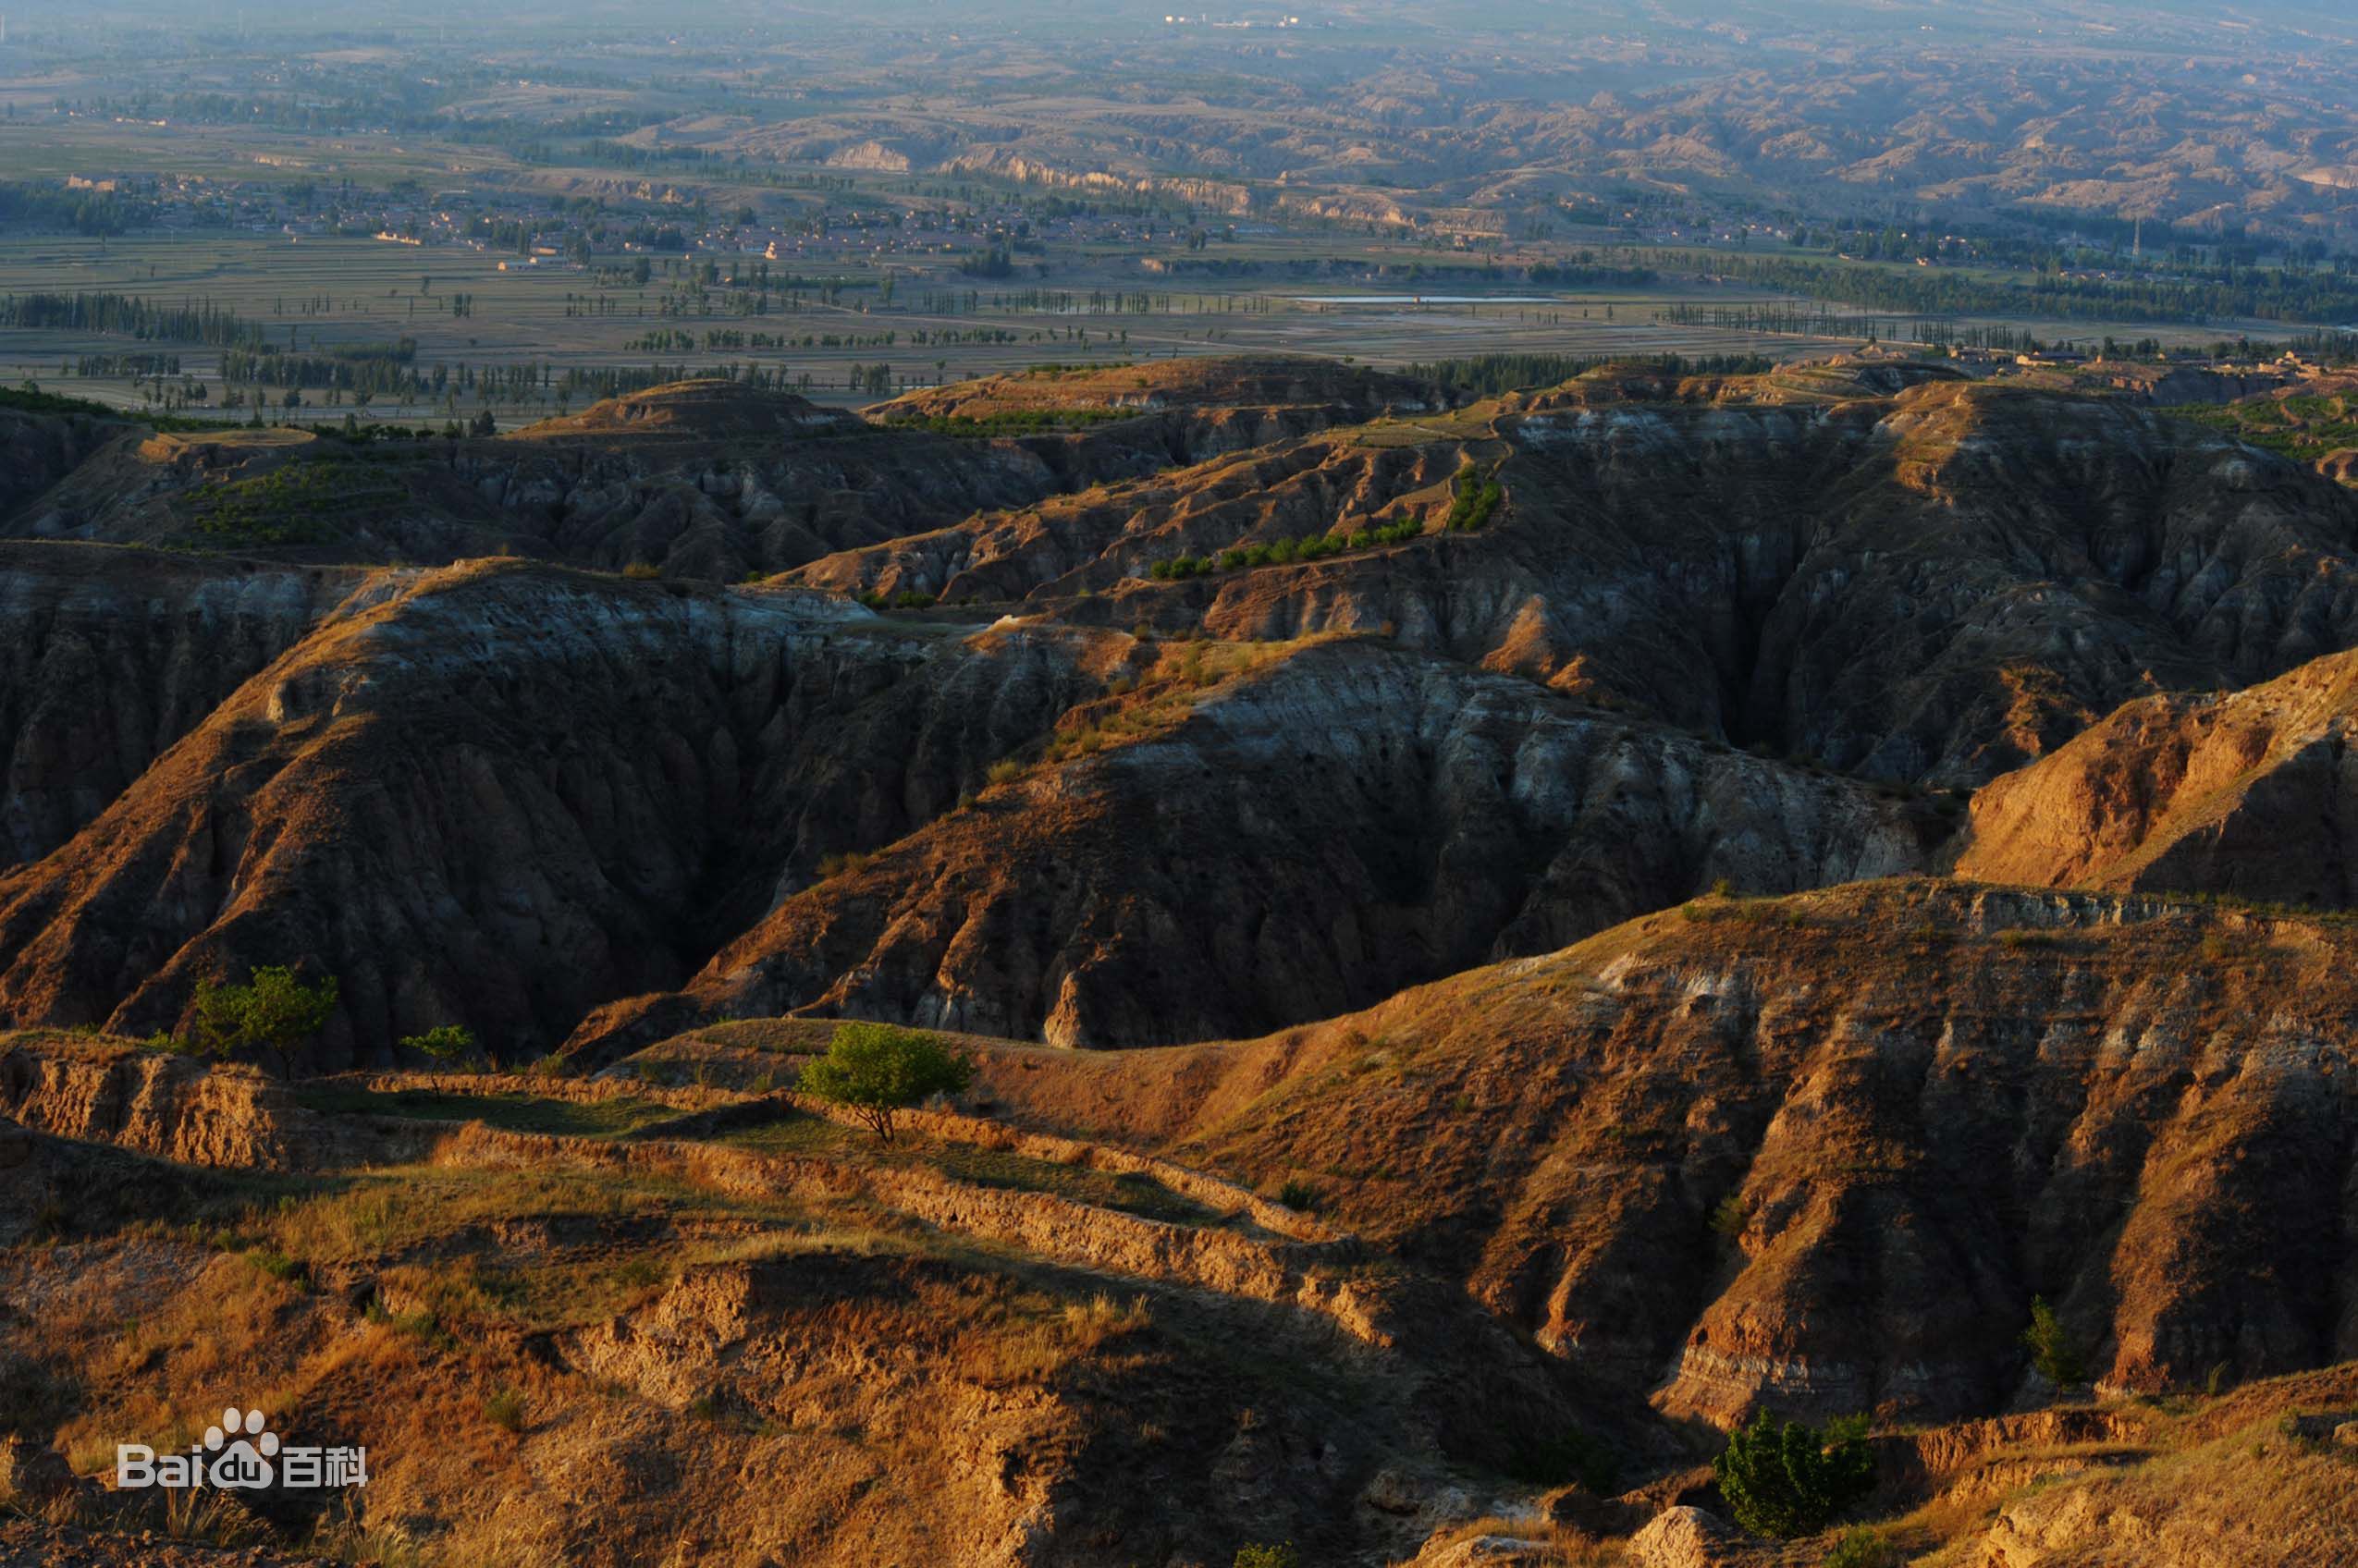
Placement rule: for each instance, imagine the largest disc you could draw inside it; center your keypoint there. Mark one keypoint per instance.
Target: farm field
(458, 306)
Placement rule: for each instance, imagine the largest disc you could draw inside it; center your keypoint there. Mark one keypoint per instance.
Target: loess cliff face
(1820, 1153)
(1224, 850)
(502, 793)
(37, 450)
(108, 656)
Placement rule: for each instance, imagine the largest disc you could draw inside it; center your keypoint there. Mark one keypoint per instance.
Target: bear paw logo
(246, 1462)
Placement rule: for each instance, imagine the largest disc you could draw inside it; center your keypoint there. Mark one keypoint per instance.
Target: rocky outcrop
(158, 1104)
(1689, 1538)
(2251, 794)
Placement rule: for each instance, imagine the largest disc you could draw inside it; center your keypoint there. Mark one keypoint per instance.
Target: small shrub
(273, 1012)
(642, 571)
(1298, 1195)
(278, 1266)
(1732, 1215)
(1265, 1556)
(1785, 1478)
(876, 1070)
(444, 1041)
(505, 1410)
(2050, 1347)
(1006, 770)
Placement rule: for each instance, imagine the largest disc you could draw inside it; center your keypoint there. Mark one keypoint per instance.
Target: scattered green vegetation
(1286, 552)
(849, 863)
(2303, 427)
(444, 1041)
(1262, 1555)
(294, 503)
(505, 1410)
(906, 599)
(876, 1070)
(1126, 1192)
(1568, 1455)
(1486, 375)
(2051, 1349)
(278, 1266)
(1787, 1478)
(1474, 498)
(1862, 1548)
(273, 1012)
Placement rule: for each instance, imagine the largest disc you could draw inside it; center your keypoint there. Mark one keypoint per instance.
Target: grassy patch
(2303, 427)
(1141, 1196)
(795, 1134)
(296, 503)
(515, 1113)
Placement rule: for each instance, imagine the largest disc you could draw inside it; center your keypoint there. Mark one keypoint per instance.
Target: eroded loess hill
(38, 450)
(705, 479)
(502, 793)
(1820, 1153)
(1905, 574)
(2247, 794)
(108, 656)
(1250, 836)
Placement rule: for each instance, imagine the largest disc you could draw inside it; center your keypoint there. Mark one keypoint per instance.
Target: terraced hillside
(674, 1312)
